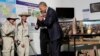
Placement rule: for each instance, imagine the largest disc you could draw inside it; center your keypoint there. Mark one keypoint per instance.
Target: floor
(62, 54)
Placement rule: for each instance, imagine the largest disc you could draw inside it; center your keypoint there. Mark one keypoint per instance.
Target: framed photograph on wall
(95, 7)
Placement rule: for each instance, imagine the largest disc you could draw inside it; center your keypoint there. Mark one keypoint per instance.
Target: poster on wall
(86, 14)
(7, 7)
(95, 7)
(34, 34)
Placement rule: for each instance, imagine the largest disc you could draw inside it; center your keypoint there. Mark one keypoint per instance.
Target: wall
(79, 5)
(84, 4)
(51, 3)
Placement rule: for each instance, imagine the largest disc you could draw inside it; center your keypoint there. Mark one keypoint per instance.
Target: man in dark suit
(51, 33)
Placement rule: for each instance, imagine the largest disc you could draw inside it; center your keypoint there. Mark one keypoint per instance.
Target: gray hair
(43, 3)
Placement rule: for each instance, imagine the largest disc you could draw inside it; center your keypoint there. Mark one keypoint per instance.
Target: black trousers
(48, 48)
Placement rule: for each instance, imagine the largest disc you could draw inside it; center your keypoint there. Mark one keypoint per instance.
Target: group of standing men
(50, 33)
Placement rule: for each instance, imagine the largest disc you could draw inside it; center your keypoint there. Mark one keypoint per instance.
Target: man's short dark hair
(43, 3)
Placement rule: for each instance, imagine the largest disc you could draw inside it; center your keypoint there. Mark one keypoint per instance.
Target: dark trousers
(53, 47)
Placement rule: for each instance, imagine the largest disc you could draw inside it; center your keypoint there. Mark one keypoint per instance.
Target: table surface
(83, 42)
(84, 34)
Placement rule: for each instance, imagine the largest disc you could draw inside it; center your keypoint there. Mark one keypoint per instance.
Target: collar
(46, 9)
(8, 22)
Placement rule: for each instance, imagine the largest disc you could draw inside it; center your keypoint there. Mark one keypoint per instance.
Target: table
(84, 35)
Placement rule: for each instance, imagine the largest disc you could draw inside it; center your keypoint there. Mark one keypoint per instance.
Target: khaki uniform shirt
(8, 30)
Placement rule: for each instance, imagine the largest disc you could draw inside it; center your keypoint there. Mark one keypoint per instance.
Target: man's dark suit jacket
(51, 22)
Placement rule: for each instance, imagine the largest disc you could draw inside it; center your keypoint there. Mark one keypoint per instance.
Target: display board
(7, 7)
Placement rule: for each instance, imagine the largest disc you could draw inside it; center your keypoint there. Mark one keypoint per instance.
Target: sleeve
(50, 19)
(38, 24)
(7, 29)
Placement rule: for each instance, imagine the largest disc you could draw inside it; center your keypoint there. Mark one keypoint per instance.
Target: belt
(9, 36)
(43, 27)
(26, 36)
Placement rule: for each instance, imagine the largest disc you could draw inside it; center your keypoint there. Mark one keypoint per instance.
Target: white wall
(65, 3)
(84, 4)
(51, 3)
(79, 5)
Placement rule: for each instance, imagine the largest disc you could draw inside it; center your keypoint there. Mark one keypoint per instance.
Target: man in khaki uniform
(23, 35)
(8, 34)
